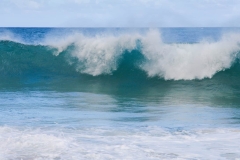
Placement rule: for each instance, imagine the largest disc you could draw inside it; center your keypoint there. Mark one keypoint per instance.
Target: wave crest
(102, 53)
(189, 61)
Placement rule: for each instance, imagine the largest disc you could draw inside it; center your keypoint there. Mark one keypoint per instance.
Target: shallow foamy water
(69, 126)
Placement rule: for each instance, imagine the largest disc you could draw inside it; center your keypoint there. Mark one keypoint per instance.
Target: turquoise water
(69, 94)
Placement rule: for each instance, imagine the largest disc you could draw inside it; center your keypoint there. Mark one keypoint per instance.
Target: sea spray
(101, 54)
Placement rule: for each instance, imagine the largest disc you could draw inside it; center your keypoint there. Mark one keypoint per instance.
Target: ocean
(119, 93)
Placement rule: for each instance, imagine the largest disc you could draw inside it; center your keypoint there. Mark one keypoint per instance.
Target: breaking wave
(107, 54)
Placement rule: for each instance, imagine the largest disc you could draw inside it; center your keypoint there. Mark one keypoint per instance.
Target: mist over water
(97, 93)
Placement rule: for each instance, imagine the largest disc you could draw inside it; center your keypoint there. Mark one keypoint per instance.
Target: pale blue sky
(120, 13)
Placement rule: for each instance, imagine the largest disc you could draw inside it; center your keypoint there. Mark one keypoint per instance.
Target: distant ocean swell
(119, 55)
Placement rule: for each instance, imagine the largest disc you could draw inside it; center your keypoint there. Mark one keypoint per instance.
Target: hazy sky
(120, 13)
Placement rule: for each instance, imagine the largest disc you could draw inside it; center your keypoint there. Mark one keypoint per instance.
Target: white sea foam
(110, 143)
(189, 61)
(99, 54)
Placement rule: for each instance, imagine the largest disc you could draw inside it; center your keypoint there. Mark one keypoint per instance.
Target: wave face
(74, 52)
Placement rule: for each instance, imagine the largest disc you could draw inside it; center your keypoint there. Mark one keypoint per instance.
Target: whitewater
(119, 93)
